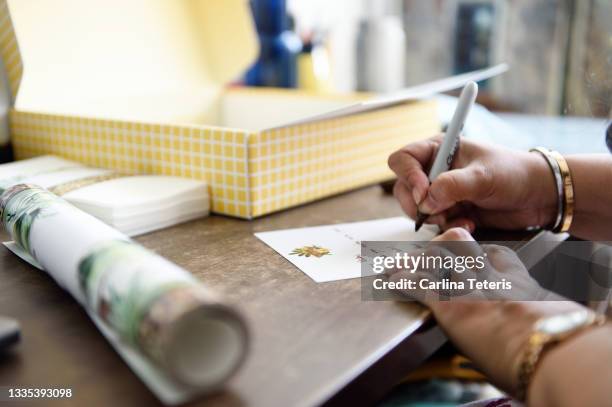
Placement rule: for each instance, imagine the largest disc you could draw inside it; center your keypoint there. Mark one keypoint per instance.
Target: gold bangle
(568, 188)
(556, 172)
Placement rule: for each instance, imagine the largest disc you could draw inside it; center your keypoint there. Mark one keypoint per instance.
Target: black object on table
(9, 333)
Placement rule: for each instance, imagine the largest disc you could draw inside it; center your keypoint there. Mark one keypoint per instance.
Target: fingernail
(416, 194)
(460, 233)
(428, 206)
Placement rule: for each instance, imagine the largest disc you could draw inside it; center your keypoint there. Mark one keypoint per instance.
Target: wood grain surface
(310, 343)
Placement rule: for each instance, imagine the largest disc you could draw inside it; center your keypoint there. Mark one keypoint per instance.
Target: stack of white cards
(132, 204)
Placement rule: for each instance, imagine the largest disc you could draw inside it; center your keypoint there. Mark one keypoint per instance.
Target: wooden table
(311, 343)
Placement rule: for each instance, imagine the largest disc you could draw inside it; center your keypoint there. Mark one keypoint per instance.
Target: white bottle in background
(381, 48)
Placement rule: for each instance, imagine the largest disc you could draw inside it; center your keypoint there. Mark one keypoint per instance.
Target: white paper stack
(132, 204)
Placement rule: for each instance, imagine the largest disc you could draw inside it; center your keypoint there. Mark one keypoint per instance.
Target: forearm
(592, 177)
(576, 372)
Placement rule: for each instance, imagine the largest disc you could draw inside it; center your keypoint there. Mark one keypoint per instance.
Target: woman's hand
(488, 186)
(492, 333)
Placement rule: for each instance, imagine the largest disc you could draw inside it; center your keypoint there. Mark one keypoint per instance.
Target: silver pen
(450, 143)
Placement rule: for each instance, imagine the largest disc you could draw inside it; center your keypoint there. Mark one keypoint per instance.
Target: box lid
(116, 54)
(417, 92)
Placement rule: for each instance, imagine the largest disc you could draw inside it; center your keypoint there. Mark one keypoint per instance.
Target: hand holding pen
(446, 152)
(480, 185)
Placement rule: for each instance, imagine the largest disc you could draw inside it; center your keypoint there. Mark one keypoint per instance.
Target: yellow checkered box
(96, 98)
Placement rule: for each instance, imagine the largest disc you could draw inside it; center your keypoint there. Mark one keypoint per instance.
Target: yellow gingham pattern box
(250, 172)
(302, 163)
(216, 155)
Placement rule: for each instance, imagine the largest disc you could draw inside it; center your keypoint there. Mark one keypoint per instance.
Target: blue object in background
(473, 36)
(609, 137)
(279, 46)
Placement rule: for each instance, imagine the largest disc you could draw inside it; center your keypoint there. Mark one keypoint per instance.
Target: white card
(333, 252)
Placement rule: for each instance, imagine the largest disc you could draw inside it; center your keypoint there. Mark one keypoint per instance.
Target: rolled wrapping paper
(152, 304)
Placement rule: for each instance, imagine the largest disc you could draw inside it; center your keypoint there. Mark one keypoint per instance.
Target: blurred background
(559, 51)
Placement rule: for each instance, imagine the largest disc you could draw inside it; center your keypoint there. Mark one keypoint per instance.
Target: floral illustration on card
(308, 251)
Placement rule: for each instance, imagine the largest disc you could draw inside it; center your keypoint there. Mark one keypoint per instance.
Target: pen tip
(419, 222)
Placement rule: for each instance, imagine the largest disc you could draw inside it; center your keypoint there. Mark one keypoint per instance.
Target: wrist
(514, 322)
(517, 322)
(543, 194)
(547, 334)
(573, 361)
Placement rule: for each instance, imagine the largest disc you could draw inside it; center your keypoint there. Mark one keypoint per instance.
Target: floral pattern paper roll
(153, 305)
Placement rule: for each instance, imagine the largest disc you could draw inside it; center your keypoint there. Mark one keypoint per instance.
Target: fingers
(425, 296)
(459, 242)
(472, 183)
(506, 265)
(461, 215)
(463, 223)
(405, 198)
(503, 258)
(410, 163)
(454, 235)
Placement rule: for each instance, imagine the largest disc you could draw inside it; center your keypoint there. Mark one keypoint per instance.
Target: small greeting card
(333, 252)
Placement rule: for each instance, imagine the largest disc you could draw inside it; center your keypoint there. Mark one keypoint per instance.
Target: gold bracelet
(556, 171)
(568, 188)
(535, 347)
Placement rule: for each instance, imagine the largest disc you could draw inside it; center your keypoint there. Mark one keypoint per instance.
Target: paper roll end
(198, 341)
(206, 347)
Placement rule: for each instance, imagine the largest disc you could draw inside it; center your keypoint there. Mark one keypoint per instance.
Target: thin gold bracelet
(568, 188)
(556, 171)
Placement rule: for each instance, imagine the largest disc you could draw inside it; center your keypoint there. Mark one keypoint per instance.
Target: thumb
(454, 235)
(465, 184)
